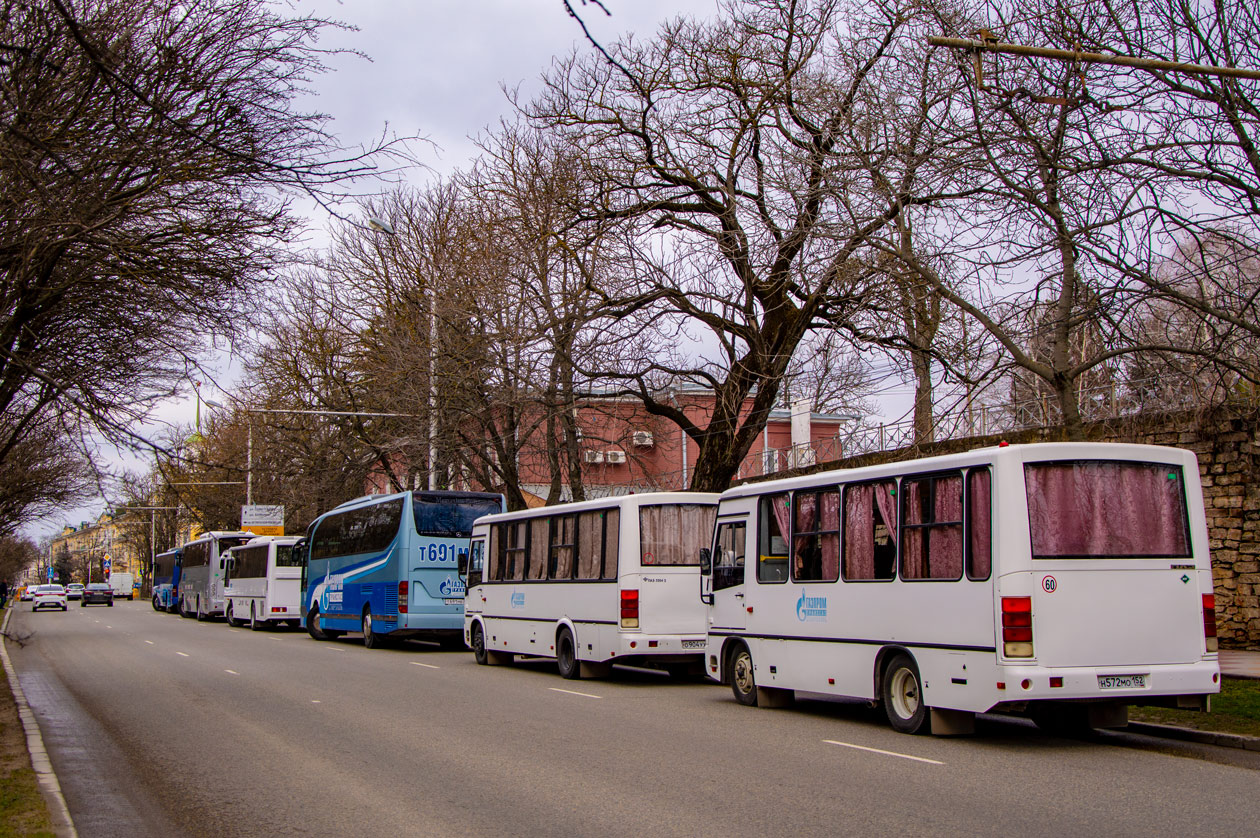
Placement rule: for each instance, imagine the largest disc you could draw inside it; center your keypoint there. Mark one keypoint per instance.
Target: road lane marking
(109, 627)
(571, 692)
(316, 701)
(231, 672)
(425, 665)
(150, 642)
(885, 753)
(183, 654)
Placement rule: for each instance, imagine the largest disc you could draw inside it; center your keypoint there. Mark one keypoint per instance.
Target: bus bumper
(1134, 684)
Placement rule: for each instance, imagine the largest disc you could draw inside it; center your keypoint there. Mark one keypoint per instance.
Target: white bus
(592, 583)
(1065, 580)
(264, 582)
(201, 573)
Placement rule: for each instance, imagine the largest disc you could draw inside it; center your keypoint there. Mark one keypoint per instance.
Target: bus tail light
(629, 609)
(402, 597)
(1017, 633)
(1209, 621)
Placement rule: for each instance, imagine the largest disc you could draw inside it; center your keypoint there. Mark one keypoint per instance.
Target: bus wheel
(312, 625)
(742, 682)
(479, 645)
(903, 696)
(157, 606)
(371, 640)
(230, 615)
(566, 656)
(255, 624)
(201, 615)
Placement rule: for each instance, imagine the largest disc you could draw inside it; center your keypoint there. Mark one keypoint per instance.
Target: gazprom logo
(518, 599)
(451, 587)
(811, 609)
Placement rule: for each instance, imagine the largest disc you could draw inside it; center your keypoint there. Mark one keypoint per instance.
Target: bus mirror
(706, 561)
(463, 562)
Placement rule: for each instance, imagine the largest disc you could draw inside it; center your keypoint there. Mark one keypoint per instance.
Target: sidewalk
(1239, 664)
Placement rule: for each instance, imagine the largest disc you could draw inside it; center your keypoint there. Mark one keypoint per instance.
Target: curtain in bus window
(590, 549)
(1106, 509)
(772, 542)
(859, 532)
(539, 536)
(830, 536)
(673, 534)
(979, 512)
(945, 541)
(517, 534)
(612, 543)
(806, 561)
(562, 539)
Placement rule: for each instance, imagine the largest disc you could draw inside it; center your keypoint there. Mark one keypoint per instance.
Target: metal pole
(1094, 58)
(249, 464)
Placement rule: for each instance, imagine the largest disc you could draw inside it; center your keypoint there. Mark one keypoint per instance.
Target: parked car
(28, 593)
(49, 596)
(74, 590)
(97, 593)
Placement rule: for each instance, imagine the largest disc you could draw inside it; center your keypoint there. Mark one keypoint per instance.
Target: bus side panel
(669, 600)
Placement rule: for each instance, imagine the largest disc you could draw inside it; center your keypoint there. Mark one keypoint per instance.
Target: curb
(1204, 737)
(63, 825)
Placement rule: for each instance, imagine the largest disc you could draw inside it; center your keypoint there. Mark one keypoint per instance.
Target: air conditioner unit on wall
(616, 456)
(643, 439)
(593, 456)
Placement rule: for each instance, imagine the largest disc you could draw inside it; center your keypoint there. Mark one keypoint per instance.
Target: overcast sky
(437, 69)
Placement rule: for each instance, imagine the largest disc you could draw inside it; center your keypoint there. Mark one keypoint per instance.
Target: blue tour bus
(388, 566)
(166, 567)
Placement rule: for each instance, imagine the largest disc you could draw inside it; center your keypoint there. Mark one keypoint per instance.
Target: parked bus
(1066, 580)
(201, 573)
(388, 566)
(166, 567)
(263, 584)
(592, 583)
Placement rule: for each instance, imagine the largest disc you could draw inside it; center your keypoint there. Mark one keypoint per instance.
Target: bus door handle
(740, 595)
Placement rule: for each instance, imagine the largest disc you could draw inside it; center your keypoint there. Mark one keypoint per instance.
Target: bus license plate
(1121, 682)
(453, 601)
(693, 644)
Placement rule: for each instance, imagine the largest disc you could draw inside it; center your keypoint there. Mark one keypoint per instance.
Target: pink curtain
(859, 532)
(887, 507)
(945, 544)
(806, 504)
(830, 540)
(979, 506)
(1106, 509)
(779, 505)
(590, 548)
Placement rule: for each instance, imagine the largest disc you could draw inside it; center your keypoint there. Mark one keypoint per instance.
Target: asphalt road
(164, 726)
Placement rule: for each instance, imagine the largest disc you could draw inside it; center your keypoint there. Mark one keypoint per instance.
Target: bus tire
(230, 615)
(903, 696)
(566, 656)
(157, 606)
(202, 616)
(371, 640)
(743, 683)
(313, 627)
(255, 624)
(478, 637)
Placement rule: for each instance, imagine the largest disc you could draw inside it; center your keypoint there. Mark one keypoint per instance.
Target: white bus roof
(618, 501)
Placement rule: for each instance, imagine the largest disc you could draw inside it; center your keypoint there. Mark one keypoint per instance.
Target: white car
(50, 596)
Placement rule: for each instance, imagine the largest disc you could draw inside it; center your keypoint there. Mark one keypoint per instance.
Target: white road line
(316, 701)
(571, 692)
(425, 665)
(885, 753)
(231, 672)
(109, 627)
(150, 642)
(183, 654)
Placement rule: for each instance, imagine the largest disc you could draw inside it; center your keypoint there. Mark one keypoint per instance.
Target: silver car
(50, 596)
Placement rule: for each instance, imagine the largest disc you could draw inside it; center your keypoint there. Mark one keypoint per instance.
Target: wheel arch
(882, 657)
(562, 624)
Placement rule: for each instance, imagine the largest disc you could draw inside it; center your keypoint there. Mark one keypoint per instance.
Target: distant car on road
(28, 593)
(74, 590)
(49, 596)
(98, 593)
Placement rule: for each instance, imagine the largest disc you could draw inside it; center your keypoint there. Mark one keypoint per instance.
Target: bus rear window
(451, 516)
(1106, 509)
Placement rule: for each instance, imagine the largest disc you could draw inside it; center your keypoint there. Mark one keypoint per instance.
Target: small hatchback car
(98, 593)
(49, 596)
(74, 590)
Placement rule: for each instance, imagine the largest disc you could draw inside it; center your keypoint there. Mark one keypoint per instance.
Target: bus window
(931, 527)
(870, 544)
(538, 545)
(979, 525)
(560, 553)
(673, 534)
(773, 524)
(728, 564)
(816, 553)
(590, 558)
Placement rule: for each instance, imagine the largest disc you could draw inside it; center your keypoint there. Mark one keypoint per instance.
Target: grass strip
(1235, 710)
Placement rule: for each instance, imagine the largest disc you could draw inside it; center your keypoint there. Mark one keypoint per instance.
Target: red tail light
(402, 597)
(1017, 627)
(1209, 621)
(629, 609)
